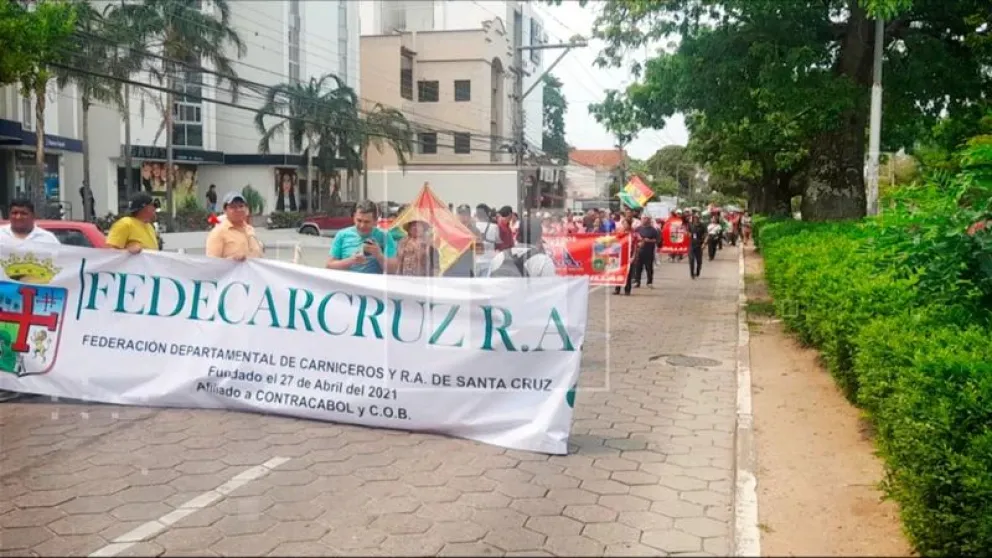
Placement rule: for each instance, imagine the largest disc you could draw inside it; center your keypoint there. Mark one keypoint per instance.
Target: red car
(339, 218)
(73, 233)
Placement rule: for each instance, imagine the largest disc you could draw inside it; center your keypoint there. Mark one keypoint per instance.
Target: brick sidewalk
(650, 472)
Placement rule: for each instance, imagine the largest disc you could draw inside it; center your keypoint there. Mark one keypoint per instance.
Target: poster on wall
(285, 181)
(153, 177)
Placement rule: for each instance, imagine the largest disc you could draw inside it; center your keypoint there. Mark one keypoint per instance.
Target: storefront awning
(12, 133)
(179, 155)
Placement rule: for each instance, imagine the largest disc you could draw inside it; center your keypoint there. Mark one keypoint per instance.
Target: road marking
(152, 528)
(747, 535)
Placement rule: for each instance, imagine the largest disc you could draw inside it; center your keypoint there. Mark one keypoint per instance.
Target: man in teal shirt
(363, 248)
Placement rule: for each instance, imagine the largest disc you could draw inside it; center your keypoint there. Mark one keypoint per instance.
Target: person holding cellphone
(363, 247)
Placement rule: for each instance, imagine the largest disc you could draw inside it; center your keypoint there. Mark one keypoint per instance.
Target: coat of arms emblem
(31, 315)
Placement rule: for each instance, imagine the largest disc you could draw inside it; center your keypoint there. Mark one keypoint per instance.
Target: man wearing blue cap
(233, 238)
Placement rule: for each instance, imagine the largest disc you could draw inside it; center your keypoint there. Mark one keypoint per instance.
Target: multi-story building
(63, 148)
(286, 41)
(450, 67)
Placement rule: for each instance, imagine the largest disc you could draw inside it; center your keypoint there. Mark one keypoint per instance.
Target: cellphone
(365, 245)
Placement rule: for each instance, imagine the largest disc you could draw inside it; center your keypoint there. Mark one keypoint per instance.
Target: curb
(747, 537)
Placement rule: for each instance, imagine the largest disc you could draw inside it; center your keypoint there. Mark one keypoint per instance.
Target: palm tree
(93, 55)
(49, 25)
(318, 116)
(383, 126)
(127, 59)
(297, 106)
(187, 37)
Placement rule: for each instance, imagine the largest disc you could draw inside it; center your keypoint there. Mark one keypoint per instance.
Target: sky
(584, 83)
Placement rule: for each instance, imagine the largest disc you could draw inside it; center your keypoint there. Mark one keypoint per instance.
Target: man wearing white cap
(233, 238)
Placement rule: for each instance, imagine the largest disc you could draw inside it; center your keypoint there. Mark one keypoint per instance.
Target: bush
(286, 219)
(192, 219)
(104, 223)
(900, 307)
(928, 389)
(191, 216)
(254, 200)
(291, 219)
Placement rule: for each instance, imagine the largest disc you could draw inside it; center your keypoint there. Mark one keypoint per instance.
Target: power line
(215, 101)
(252, 85)
(486, 145)
(588, 72)
(286, 44)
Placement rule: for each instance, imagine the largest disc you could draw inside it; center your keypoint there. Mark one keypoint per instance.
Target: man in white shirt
(713, 235)
(536, 263)
(21, 227)
(489, 235)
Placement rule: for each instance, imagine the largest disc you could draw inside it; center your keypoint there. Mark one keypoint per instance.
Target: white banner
(491, 360)
(662, 207)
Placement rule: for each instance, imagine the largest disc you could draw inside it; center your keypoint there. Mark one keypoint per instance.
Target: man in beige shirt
(233, 238)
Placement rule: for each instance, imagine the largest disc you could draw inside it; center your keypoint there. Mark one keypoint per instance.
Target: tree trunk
(772, 196)
(835, 188)
(326, 203)
(38, 190)
(170, 203)
(311, 190)
(129, 188)
(87, 187)
(365, 173)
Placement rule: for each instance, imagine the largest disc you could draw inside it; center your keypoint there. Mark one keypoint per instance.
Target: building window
(294, 41)
(535, 39)
(427, 91)
(518, 28)
(427, 142)
(27, 113)
(463, 90)
(343, 40)
(463, 143)
(406, 76)
(187, 112)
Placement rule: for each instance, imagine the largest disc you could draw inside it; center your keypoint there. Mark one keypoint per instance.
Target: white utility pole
(519, 138)
(875, 129)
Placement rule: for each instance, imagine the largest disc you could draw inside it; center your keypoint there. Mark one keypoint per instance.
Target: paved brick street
(650, 471)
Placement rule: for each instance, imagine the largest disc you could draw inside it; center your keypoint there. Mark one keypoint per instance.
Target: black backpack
(513, 264)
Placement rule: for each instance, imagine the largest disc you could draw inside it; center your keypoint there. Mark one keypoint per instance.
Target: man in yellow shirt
(233, 238)
(134, 232)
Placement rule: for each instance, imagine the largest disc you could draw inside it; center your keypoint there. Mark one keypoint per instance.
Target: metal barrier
(289, 252)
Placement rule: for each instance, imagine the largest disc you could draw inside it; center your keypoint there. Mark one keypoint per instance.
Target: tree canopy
(555, 106)
(31, 38)
(776, 92)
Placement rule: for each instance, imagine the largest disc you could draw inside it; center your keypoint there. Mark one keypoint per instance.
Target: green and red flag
(635, 193)
(451, 238)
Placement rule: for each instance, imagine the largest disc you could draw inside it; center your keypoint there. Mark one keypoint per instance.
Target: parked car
(339, 217)
(389, 209)
(73, 233)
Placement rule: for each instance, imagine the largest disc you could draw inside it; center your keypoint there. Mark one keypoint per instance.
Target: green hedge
(898, 307)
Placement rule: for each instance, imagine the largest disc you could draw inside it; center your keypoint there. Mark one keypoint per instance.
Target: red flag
(674, 237)
(605, 258)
